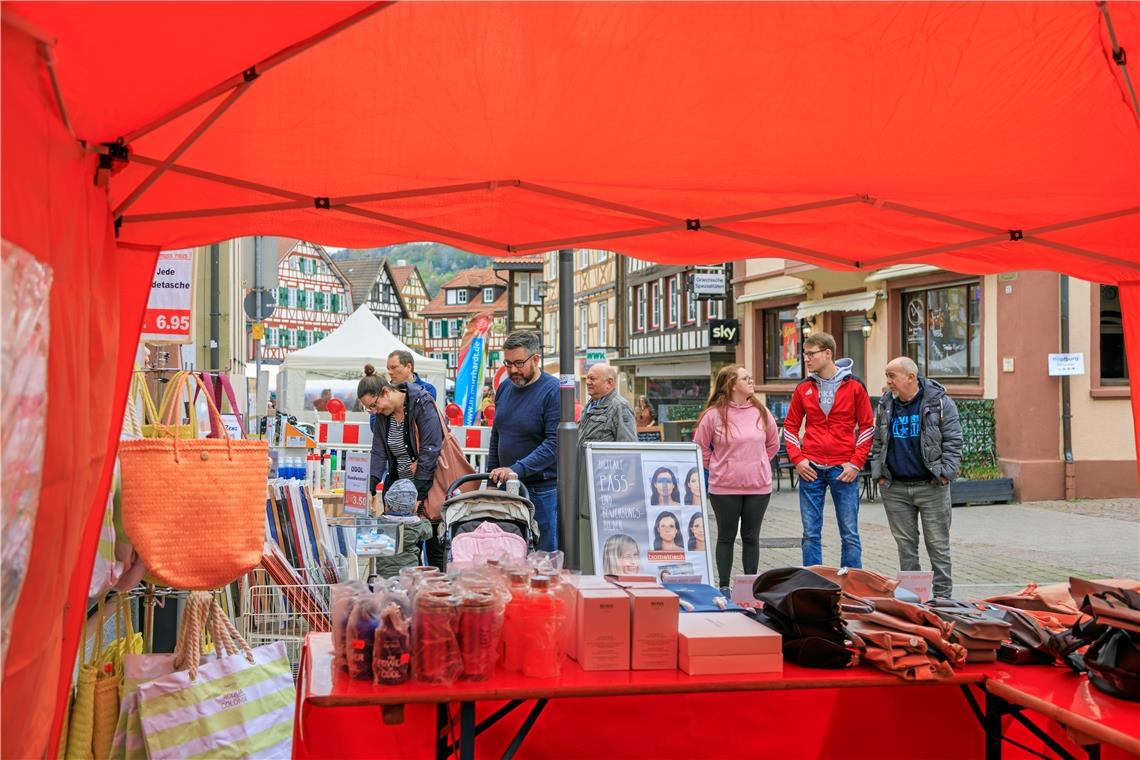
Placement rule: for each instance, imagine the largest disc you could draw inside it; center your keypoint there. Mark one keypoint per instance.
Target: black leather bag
(804, 608)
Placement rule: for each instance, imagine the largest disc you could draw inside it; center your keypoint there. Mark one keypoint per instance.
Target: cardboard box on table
(603, 629)
(654, 614)
(727, 642)
(569, 587)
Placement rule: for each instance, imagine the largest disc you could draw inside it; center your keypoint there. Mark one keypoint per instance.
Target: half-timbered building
(468, 294)
(313, 299)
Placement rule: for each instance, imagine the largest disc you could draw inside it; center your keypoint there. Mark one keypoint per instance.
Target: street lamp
(543, 291)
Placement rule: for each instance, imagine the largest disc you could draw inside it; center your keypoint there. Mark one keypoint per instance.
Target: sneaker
(726, 592)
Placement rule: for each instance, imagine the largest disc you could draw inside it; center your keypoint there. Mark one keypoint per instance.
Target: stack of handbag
(979, 633)
(1112, 660)
(905, 639)
(804, 608)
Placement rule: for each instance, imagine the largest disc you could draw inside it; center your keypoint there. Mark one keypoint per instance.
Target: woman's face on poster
(698, 529)
(695, 487)
(664, 484)
(630, 561)
(667, 530)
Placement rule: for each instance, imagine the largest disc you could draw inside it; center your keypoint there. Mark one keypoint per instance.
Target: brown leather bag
(452, 466)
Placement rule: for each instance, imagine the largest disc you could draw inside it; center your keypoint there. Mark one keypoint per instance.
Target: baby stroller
(487, 522)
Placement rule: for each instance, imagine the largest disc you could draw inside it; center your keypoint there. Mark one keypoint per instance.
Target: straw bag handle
(172, 399)
(203, 613)
(217, 416)
(148, 400)
(131, 414)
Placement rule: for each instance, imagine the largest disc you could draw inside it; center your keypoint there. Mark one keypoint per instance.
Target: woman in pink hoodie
(738, 437)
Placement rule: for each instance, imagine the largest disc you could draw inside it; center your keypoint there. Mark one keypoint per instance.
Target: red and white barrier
(344, 434)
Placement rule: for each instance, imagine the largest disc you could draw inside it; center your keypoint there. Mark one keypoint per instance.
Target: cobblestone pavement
(994, 548)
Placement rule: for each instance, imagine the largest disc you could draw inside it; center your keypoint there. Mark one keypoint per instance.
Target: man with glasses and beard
(524, 436)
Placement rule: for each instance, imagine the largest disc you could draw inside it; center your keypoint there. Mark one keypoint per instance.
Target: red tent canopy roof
(845, 135)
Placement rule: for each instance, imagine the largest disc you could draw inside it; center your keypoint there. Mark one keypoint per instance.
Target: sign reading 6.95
(170, 306)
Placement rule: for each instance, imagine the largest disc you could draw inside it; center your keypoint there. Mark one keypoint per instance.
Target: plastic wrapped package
(544, 616)
(343, 597)
(392, 652)
(546, 563)
(25, 296)
(360, 634)
(514, 625)
(483, 601)
(435, 646)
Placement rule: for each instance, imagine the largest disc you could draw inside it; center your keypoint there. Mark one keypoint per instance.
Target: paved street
(994, 548)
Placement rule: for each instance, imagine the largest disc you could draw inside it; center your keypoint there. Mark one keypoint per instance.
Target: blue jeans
(545, 501)
(846, 498)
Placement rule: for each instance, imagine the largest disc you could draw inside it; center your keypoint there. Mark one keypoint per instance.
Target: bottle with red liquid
(514, 626)
(545, 614)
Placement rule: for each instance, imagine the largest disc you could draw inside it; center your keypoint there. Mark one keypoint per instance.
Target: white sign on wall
(709, 284)
(1066, 364)
(171, 302)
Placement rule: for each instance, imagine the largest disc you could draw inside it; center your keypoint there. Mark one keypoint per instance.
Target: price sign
(169, 308)
(357, 465)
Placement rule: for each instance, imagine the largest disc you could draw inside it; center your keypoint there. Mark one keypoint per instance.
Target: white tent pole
(220, 178)
(257, 69)
(182, 148)
(432, 229)
(308, 201)
(1118, 56)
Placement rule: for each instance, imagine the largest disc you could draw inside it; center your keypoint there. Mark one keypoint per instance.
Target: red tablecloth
(799, 713)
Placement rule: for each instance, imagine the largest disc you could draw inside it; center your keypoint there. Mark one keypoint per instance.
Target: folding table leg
(995, 709)
(466, 731)
(442, 739)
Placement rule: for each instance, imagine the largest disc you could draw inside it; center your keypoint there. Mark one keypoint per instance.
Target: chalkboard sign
(649, 434)
(648, 509)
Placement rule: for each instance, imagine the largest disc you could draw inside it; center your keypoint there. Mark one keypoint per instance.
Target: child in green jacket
(400, 507)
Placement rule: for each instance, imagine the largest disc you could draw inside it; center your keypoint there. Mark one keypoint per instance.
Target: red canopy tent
(976, 137)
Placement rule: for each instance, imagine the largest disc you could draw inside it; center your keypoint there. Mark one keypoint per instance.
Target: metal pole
(257, 288)
(567, 429)
(1066, 395)
(215, 314)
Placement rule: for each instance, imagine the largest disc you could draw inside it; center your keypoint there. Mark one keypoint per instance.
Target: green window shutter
(443, 323)
(335, 299)
(282, 296)
(319, 301)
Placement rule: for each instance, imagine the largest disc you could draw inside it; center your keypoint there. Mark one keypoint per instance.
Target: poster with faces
(647, 509)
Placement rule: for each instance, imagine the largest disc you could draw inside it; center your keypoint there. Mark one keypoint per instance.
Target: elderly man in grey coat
(607, 417)
(916, 454)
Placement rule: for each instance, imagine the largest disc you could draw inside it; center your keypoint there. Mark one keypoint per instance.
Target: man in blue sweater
(524, 437)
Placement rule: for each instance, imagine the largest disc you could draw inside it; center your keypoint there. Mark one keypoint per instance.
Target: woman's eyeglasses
(518, 363)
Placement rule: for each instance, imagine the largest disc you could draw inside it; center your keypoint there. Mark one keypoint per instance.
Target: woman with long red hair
(738, 438)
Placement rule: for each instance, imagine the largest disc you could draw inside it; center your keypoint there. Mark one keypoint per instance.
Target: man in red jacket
(838, 429)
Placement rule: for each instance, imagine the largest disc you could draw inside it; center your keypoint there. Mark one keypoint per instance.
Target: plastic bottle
(544, 615)
(513, 485)
(514, 624)
(392, 654)
(360, 636)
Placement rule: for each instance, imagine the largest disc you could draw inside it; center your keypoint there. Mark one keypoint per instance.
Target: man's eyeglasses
(519, 363)
(810, 354)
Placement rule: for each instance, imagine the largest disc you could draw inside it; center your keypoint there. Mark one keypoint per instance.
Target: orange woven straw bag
(195, 509)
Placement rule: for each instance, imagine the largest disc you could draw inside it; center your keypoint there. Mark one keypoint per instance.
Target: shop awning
(900, 271)
(770, 295)
(852, 302)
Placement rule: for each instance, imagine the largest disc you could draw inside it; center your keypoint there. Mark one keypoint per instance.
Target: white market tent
(361, 339)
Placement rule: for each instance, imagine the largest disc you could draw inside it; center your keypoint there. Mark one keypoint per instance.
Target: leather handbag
(180, 497)
(452, 466)
(804, 608)
(858, 581)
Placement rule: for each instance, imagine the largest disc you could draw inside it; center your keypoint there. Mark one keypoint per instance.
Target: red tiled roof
(440, 307)
(401, 275)
(530, 263)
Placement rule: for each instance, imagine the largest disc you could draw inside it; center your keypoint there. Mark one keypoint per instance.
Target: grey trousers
(905, 504)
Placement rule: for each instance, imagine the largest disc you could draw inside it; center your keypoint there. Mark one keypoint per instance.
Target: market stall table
(320, 688)
(1090, 716)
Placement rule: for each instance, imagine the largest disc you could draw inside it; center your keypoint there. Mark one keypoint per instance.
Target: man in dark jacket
(401, 368)
(608, 417)
(916, 454)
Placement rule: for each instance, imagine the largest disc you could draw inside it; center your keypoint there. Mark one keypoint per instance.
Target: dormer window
(488, 295)
(461, 296)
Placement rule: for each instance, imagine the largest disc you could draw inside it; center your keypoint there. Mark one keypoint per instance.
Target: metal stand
(468, 729)
(567, 428)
